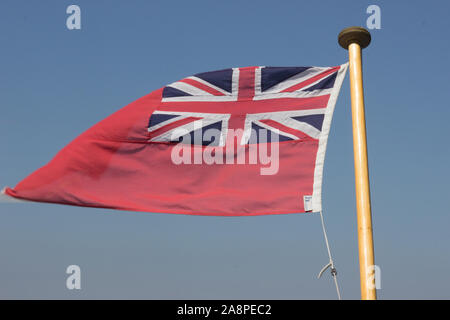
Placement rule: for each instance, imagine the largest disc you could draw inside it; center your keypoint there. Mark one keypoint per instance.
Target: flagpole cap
(357, 35)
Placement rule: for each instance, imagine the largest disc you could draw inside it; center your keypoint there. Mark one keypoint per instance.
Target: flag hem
(321, 151)
(11, 198)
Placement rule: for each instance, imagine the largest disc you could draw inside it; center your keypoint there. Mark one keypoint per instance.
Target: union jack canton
(290, 103)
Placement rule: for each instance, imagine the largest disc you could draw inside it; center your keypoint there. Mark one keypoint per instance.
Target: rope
(331, 263)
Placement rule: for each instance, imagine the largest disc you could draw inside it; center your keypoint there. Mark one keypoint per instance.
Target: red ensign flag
(240, 141)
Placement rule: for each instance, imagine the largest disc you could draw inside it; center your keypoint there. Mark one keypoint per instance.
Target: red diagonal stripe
(300, 134)
(311, 80)
(202, 86)
(172, 126)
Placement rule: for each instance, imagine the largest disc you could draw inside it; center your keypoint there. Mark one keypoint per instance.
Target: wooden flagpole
(354, 39)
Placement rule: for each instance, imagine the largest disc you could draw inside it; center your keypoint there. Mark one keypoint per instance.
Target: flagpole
(354, 39)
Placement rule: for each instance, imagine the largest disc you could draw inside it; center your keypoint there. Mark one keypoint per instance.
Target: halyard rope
(331, 263)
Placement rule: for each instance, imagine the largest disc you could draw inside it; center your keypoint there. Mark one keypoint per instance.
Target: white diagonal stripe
(300, 126)
(315, 82)
(298, 78)
(209, 85)
(180, 131)
(189, 89)
(283, 117)
(276, 130)
(164, 123)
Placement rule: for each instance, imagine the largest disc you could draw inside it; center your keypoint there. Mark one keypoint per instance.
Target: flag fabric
(239, 141)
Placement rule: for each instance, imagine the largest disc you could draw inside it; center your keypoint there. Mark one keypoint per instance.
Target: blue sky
(56, 83)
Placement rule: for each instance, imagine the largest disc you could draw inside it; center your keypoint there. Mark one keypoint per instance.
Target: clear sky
(55, 83)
